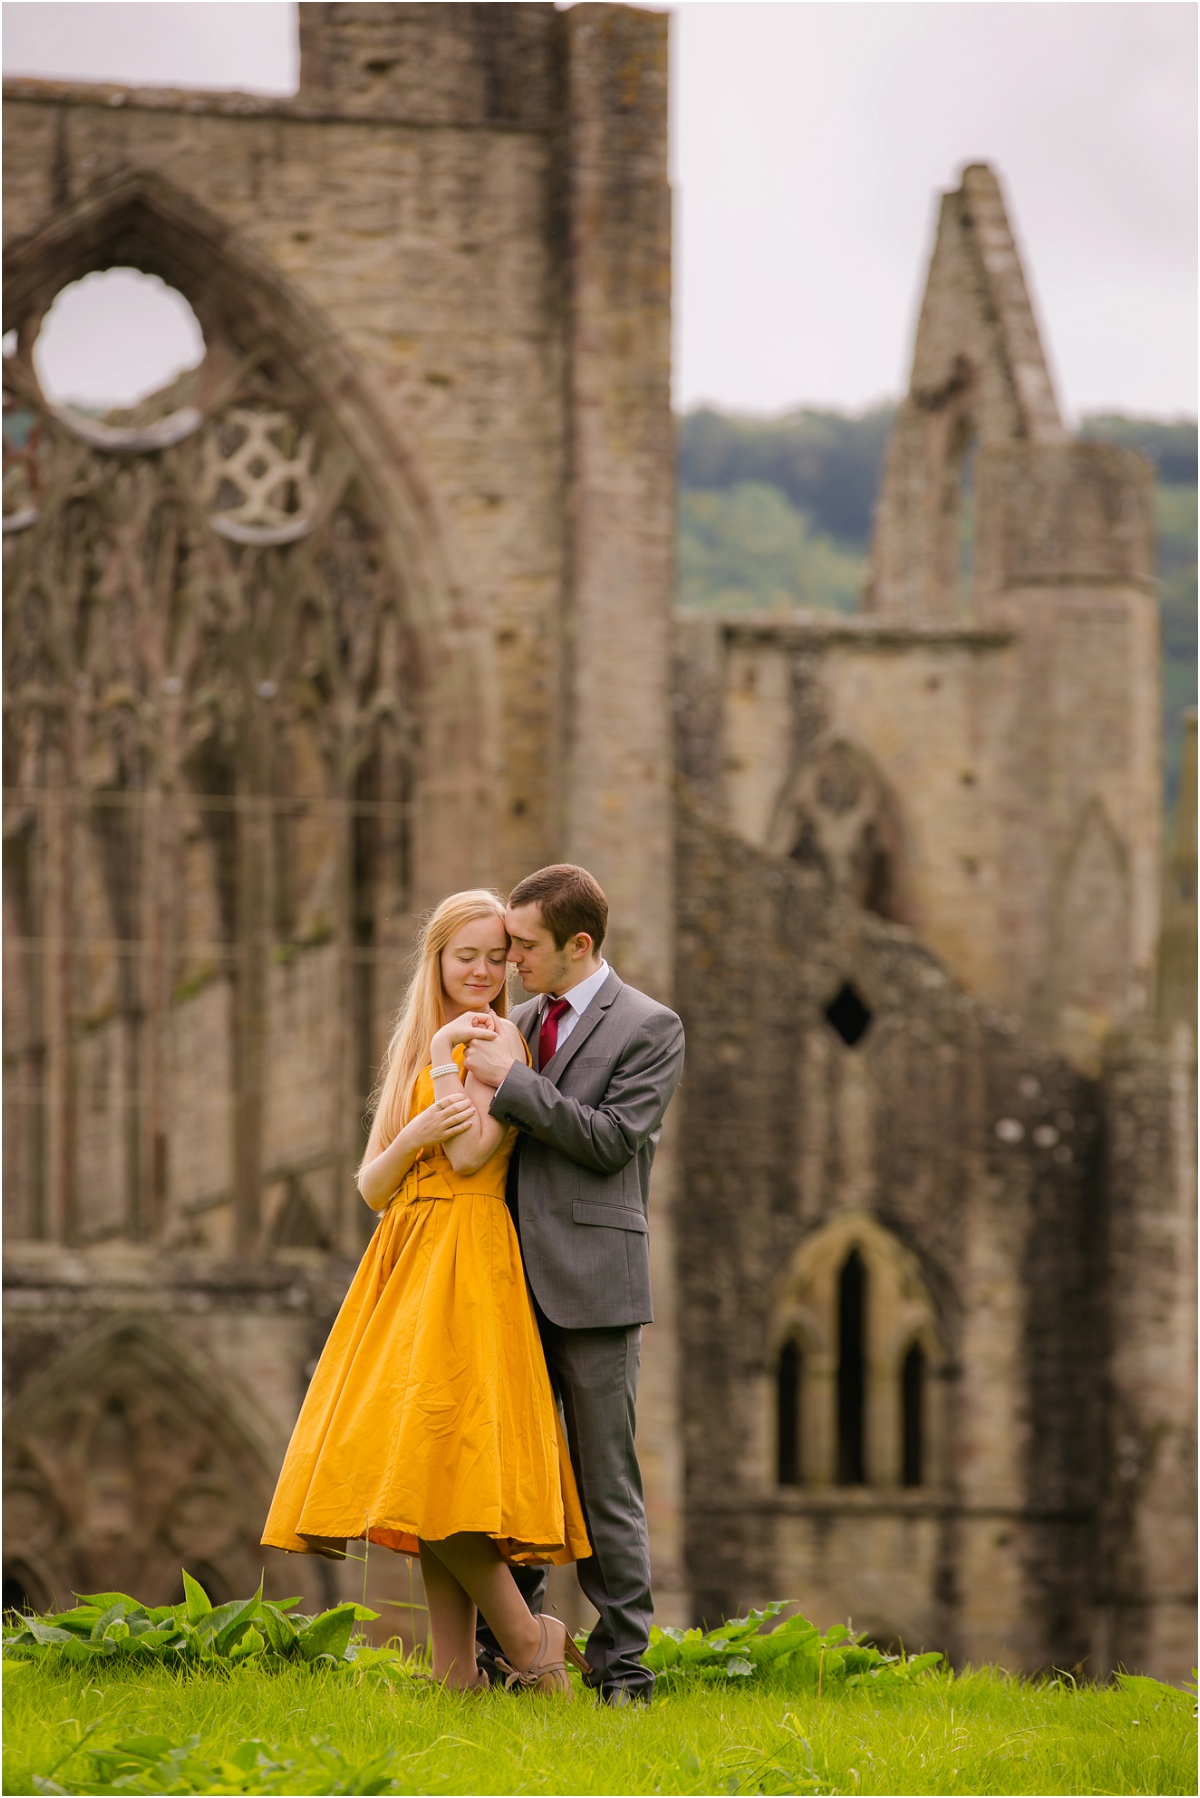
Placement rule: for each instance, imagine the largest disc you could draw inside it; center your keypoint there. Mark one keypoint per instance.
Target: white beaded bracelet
(447, 1067)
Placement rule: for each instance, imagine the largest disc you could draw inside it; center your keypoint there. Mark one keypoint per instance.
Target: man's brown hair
(569, 899)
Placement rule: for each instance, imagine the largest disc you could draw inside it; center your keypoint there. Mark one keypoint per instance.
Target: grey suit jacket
(579, 1182)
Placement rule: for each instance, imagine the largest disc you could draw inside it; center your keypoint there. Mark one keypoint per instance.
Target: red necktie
(548, 1035)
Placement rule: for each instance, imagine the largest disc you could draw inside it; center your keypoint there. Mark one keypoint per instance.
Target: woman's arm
(471, 1148)
(383, 1169)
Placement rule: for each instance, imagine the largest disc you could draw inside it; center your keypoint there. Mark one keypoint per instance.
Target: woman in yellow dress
(429, 1426)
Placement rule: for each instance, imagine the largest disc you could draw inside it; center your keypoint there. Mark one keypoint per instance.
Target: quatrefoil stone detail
(274, 484)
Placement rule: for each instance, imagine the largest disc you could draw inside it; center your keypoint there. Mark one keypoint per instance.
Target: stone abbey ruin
(377, 602)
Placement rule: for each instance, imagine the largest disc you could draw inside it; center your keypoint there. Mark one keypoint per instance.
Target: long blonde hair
(424, 1010)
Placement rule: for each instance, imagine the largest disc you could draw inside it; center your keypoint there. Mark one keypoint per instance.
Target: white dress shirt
(578, 998)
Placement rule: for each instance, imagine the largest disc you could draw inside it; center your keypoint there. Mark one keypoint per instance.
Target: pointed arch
(211, 668)
(142, 220)
(846, 1316)
(1093, 932)
(123, 1459)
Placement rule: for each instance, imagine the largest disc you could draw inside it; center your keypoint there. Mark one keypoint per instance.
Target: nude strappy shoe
(548, 1673)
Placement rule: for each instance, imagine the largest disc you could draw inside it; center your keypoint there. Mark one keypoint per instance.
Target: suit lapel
(561, 1058)
(525, 1017)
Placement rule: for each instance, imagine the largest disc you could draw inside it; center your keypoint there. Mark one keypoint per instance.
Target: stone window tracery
(855, 1354)
(838, 819)
(209, 742)
(120, 1462)
(258, 476)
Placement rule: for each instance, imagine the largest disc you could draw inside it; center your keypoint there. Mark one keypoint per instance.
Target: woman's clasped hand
(443, 1120)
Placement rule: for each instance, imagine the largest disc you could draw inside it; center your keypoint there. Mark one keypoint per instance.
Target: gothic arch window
(855, 1355)
(912, 1417)
(1094, 933)
(789, 1383)
(852, 1370)
(233, 653)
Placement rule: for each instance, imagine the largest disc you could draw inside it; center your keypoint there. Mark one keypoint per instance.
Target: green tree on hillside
(748, 549)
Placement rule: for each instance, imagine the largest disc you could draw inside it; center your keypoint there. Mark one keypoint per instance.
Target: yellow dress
(430, 1410)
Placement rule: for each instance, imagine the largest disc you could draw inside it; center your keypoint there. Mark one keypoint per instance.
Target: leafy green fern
(794, 1652)
(197, 1633)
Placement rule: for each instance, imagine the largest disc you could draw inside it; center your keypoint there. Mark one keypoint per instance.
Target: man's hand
(489, 1061)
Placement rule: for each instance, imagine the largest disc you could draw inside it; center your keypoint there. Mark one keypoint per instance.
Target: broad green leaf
(799, 1632)
(198, 1602)
(110, 1615)
(328, 1634)
(145, 1748)
(103, 1601)
(251, 1643)
(246, 1755)
(1152, 1690)
(227, 1629)
(737, 1667)
(46, 1633)
(280, 1631)
(79, 1620)
(151, 1640)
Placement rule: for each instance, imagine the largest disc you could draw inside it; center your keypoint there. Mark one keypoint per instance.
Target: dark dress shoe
(485, 1660)
(620, 1696)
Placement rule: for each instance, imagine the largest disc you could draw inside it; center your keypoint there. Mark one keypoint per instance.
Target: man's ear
(581, 945)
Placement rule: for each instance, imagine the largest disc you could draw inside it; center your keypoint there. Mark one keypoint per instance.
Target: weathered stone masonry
(938, 1258)
(258, 720)
(376, 603)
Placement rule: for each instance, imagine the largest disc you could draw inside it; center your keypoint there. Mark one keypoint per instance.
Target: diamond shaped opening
(849, 1014)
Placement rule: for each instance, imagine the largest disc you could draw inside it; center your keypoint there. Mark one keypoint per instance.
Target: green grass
(979, 1732)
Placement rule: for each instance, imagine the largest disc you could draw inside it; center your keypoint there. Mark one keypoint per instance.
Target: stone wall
(958, 1158)
(936, 1273)
(247, 745)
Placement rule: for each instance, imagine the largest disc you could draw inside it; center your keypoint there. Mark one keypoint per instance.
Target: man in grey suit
(606, 1062)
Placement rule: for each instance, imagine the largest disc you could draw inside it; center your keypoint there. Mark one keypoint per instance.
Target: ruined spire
(979, 380)
(977, 324)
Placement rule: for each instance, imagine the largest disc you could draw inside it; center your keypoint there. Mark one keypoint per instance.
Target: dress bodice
(432, 1176)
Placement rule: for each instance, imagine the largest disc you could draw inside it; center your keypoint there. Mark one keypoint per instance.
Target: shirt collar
(580, 997)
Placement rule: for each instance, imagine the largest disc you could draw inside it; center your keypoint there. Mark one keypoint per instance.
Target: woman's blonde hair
(424, 1010)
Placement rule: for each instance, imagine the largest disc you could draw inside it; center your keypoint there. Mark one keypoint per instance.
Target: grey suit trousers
(595, 1374)
(579, 1189)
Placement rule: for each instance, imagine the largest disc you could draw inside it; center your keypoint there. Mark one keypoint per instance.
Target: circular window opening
(111, 340)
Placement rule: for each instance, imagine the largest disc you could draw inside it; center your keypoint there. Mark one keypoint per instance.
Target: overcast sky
(809, 144)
